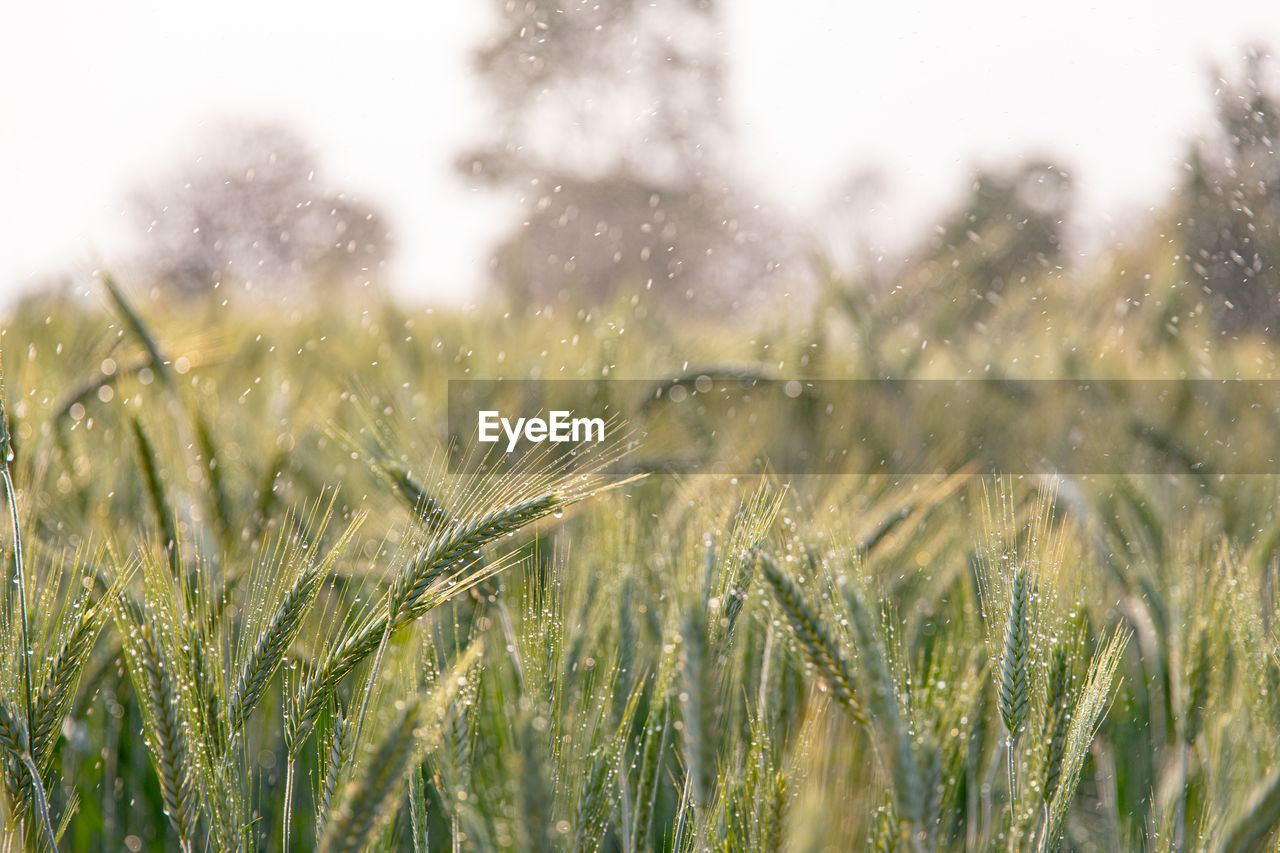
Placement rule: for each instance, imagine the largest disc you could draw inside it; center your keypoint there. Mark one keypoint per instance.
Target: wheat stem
(6, 457)
(287, 805)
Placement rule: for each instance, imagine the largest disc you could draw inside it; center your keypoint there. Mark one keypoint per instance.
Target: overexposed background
(96, 98)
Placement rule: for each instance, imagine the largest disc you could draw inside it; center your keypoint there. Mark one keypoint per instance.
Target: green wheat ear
(269, 651)
(1094, 698)
(440, 572)
(1057, 718)
(367, 796)
(815, 639)
(1013, 688)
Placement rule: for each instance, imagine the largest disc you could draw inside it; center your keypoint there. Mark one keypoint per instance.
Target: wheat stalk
(1057, 719)
(164, 729)
(421, 585)
(1013, 680)
(58, 690)
(133, 320)
(159, 501)
(336, 758)
(451, 549)
(13, 737)
(697, 700)
(815, 640)
(268, 653)
(654, 745)
(1013, 689)
(909, 789)
(16, 725)
(367, 796)
(428, 510)
(1087, 714)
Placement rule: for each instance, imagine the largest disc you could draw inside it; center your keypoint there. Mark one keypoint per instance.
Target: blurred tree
(610, 125)
(1006, 235)
(1231, 201)
(1018, 215)
(251, 214)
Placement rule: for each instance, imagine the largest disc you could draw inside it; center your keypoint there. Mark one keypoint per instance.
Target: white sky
(96, 97)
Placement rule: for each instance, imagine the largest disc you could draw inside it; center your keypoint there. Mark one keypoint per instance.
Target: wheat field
(250, 608)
